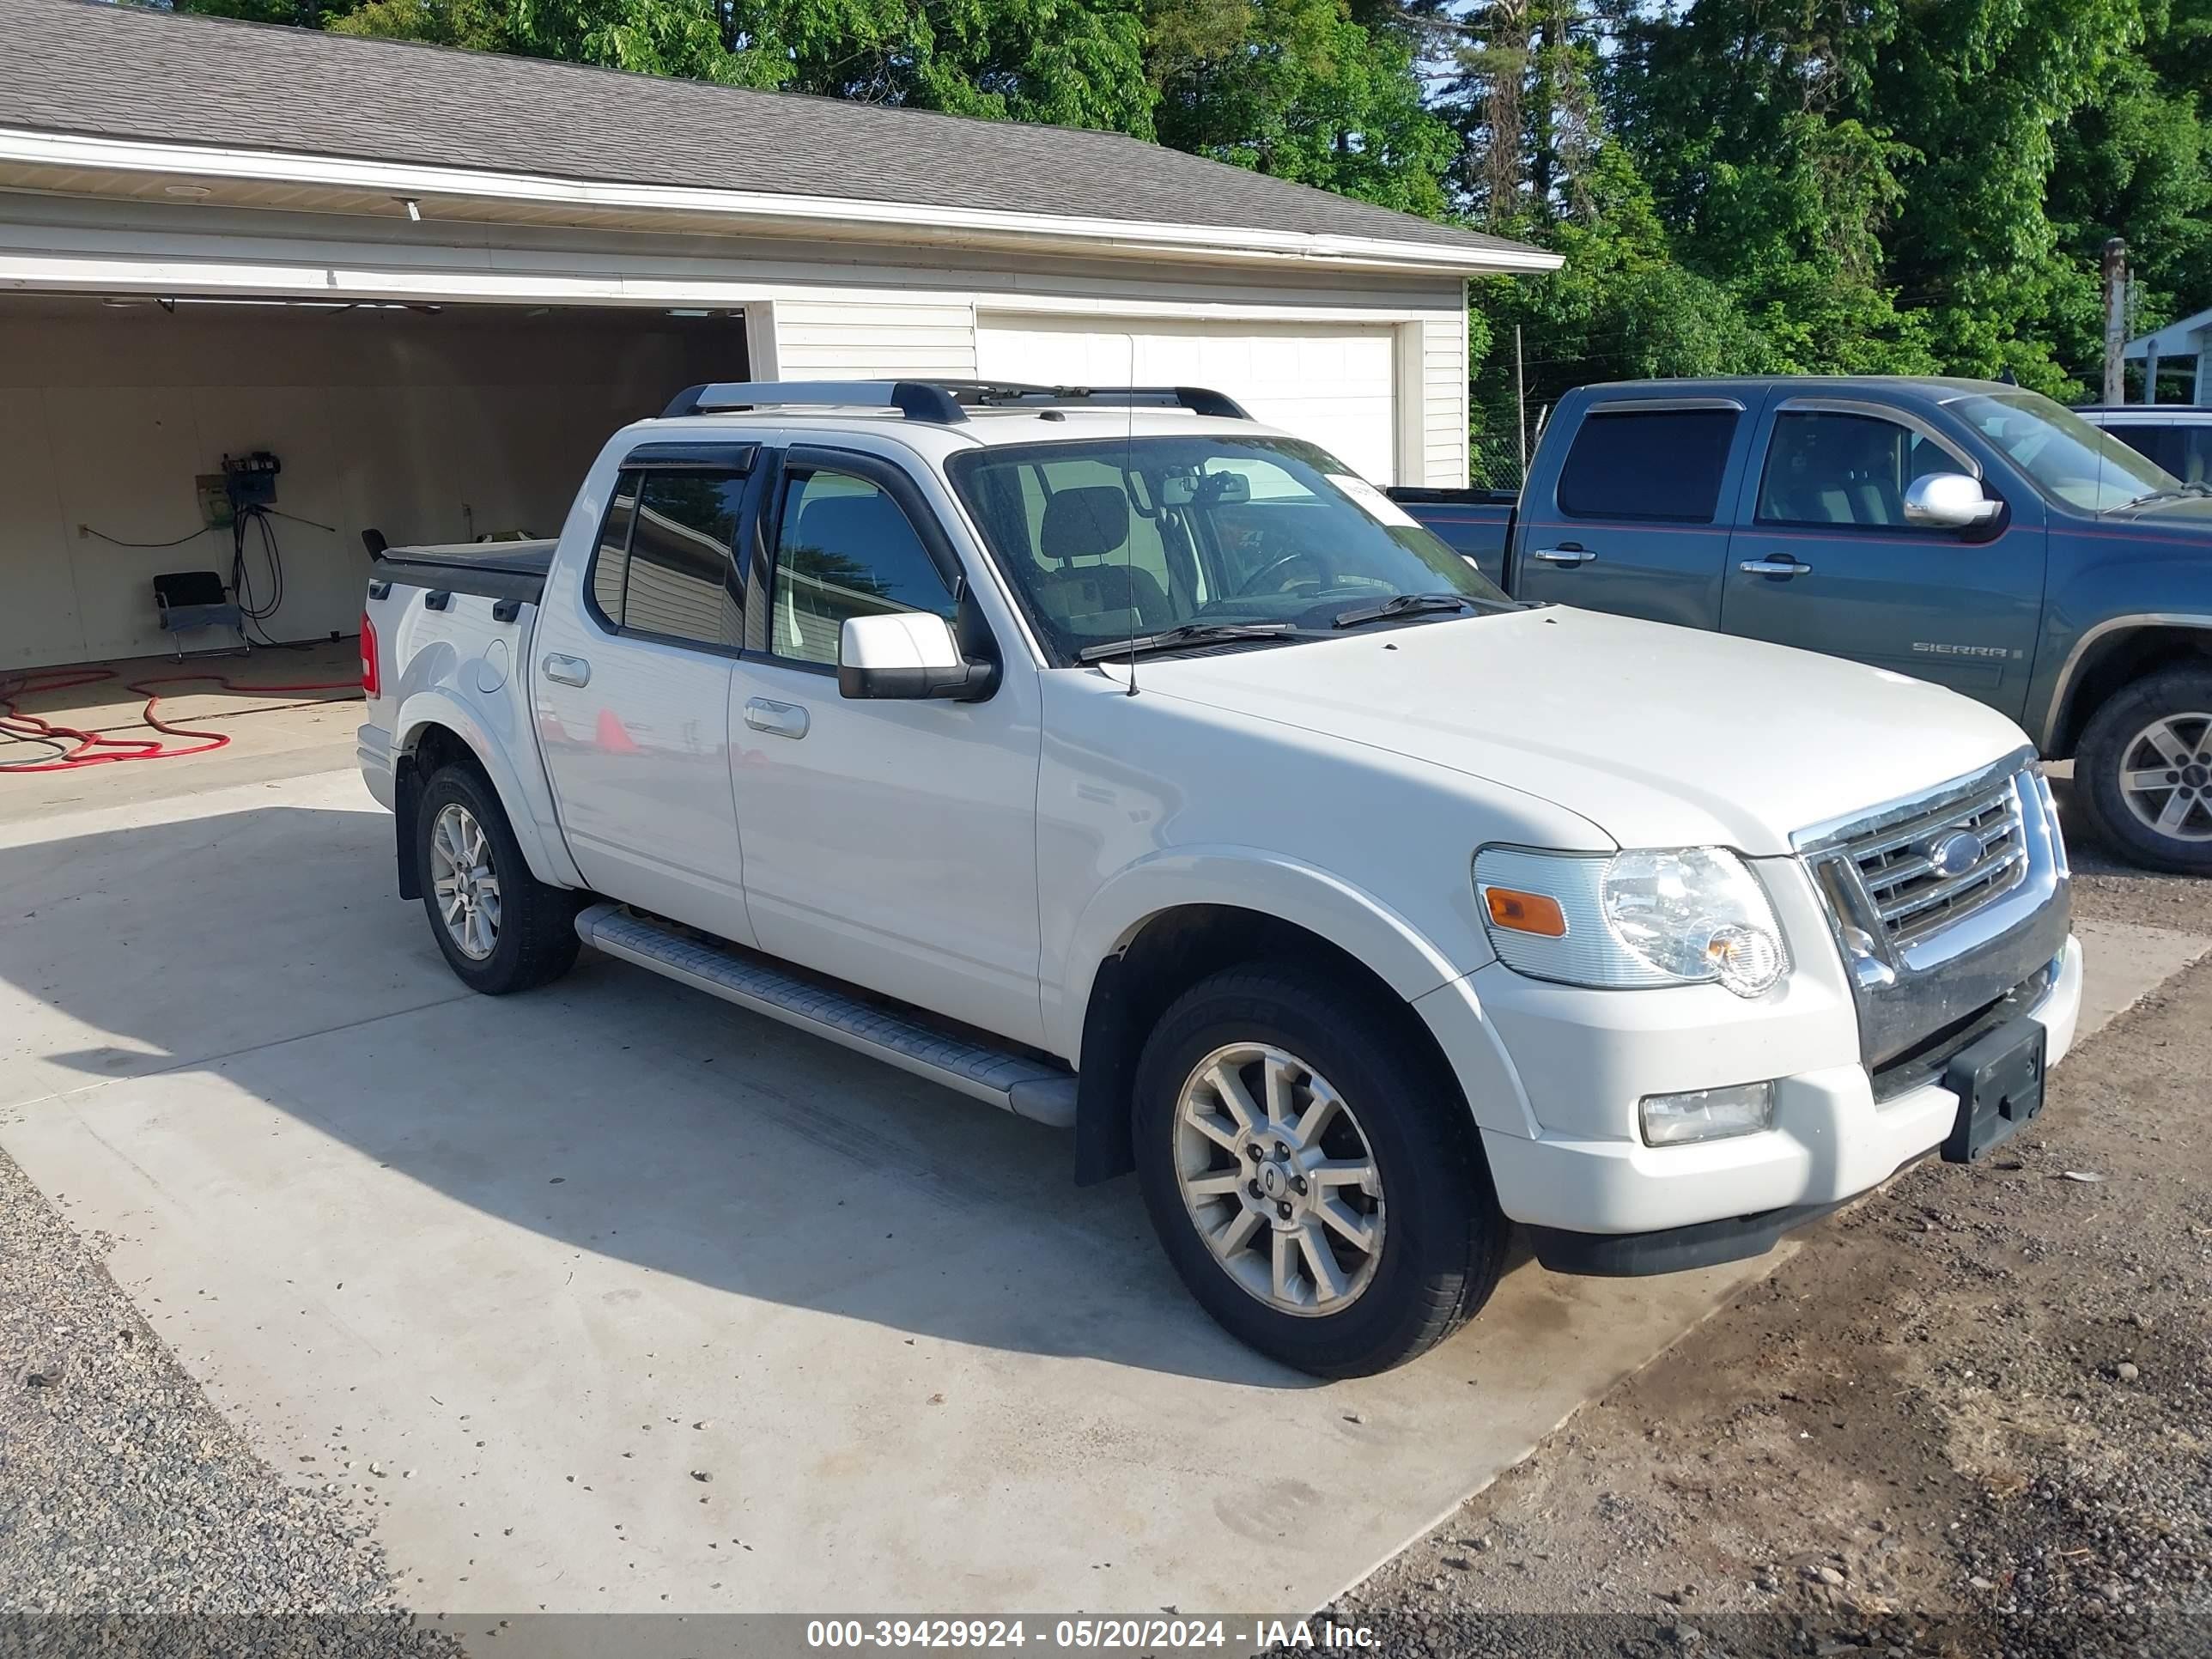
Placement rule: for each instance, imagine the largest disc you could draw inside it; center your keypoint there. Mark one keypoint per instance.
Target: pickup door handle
(570, 670)
(780, 720)
(1784, 566)
(1565, 553)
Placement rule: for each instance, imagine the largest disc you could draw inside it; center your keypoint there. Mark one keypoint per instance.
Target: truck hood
(1660, 736)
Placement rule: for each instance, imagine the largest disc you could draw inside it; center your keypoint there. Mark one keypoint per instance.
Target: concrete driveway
(612, 1297)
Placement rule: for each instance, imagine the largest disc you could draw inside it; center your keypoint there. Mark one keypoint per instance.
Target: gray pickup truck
(1962, 531)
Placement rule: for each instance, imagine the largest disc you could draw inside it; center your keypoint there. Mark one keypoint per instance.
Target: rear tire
(1288, 1061)
(501, 928)
(2143, 768)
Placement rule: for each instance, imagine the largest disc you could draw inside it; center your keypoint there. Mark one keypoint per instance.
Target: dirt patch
(1971, 1414)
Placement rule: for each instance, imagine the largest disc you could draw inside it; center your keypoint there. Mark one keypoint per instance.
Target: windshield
(2070, 460)
(1123, 537)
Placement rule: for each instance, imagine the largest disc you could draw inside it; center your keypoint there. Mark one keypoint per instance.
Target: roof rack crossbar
(945, 402)
(918, 400)
(1018, 394)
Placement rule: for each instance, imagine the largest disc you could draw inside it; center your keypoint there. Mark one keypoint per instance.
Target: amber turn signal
(1525, 913)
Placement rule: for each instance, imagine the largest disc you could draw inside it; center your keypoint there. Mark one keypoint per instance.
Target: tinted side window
(845, 549)
(2183, 451)
(2193, 461)
(610, 564)
(680, 566)
(1659, 463)
(1832, 469)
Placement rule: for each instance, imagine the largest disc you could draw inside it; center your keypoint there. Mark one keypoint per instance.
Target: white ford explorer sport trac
(1133, 766)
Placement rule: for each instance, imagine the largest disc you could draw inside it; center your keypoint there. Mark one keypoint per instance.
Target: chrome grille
(1897, 864)
(1931, 933)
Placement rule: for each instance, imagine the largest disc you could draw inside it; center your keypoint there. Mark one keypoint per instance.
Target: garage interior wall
(428, 425)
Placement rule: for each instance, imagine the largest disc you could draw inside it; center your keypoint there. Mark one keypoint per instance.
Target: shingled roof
(128, 71)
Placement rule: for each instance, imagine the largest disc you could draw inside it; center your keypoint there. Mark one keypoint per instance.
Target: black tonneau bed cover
(497, 570)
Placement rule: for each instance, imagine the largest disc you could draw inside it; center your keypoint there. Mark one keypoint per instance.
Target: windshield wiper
(1402, 604)
(1188, 633)
(2169, 493)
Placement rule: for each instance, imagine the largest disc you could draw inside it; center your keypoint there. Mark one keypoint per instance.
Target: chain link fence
(1493, 461)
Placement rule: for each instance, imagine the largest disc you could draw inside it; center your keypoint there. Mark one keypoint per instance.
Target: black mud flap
(1999, 1082)
(406, 790)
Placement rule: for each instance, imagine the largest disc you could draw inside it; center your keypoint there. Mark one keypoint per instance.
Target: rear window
(1654, 464)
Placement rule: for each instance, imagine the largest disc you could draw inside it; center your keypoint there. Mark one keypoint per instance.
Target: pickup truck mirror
(1948, 501)
(908, 655)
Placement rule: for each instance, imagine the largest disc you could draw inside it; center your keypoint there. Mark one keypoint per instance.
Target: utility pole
(2116, 320)
(1521, 399)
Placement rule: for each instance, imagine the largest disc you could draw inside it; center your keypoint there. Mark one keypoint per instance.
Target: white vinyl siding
(1443, 391)
(838, 340)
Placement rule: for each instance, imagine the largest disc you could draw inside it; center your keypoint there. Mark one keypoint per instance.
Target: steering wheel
(1252, 583)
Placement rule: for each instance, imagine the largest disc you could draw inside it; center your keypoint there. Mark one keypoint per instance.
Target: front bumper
(1615, 1206)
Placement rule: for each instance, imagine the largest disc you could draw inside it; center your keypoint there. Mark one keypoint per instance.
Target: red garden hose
(92, 750)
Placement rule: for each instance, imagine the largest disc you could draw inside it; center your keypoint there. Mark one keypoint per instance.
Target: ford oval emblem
(1955, 855)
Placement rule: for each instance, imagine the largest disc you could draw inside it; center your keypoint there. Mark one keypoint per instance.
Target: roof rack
(945, 402)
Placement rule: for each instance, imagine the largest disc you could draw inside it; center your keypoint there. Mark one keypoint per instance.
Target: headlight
(1673, 916)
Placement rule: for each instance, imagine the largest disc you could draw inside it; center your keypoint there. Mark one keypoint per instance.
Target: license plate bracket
(1999, 1082)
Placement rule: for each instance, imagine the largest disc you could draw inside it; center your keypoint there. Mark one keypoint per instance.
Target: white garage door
(1332, 385)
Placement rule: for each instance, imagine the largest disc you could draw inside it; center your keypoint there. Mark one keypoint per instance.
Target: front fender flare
(1248, 878)
(1417, 969)
(520, 786)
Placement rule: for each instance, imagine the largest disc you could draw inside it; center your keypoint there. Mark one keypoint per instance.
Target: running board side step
(1013, 1082)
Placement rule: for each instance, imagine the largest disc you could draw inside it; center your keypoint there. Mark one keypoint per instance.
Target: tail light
(370, 687)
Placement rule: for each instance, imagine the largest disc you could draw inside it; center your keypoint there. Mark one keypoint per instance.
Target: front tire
(1315, 1180)
(500, 927)
(2144, 771)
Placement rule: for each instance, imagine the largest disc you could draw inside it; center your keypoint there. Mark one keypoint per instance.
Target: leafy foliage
(1839, 185)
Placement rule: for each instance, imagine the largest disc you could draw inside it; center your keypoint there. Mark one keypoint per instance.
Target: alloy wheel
(2166, 776)
(466, 885)
(1278, 1179)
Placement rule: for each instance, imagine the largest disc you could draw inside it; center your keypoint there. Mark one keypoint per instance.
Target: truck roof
(984, 428)
(1929, 388)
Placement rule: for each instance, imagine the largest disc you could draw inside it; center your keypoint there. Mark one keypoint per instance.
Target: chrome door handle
(1774, 567)
(1563, 555)
(778, 719)
(568, 670)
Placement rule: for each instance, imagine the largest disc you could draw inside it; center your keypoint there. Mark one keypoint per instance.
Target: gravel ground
(133, 1519)
(1972, 1414)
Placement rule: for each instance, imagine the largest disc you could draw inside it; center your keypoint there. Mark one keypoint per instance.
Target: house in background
(2184, 347)
(430, 282)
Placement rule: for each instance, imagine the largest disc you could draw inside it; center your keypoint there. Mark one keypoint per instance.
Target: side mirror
(1948, 501)
(908, 655)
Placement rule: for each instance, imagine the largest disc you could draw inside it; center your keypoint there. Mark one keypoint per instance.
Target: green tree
(1299, 89)
(480, 25)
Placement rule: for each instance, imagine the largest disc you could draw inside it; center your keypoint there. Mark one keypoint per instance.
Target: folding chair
(184, 600)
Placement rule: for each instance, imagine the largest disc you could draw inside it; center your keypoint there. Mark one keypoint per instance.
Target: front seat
(1091, 523)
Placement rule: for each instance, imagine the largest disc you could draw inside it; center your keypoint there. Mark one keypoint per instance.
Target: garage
(423, 423)
(386, 287)
(1336, 385)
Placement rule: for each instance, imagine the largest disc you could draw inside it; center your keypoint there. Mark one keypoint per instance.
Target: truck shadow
(261, 957)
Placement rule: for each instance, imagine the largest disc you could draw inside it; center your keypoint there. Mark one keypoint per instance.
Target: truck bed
(1476, 523)
(516, 570)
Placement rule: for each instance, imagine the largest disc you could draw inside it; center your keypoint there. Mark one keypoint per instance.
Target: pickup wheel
(502, 928)
(1317, 1182)
(2144, 771)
